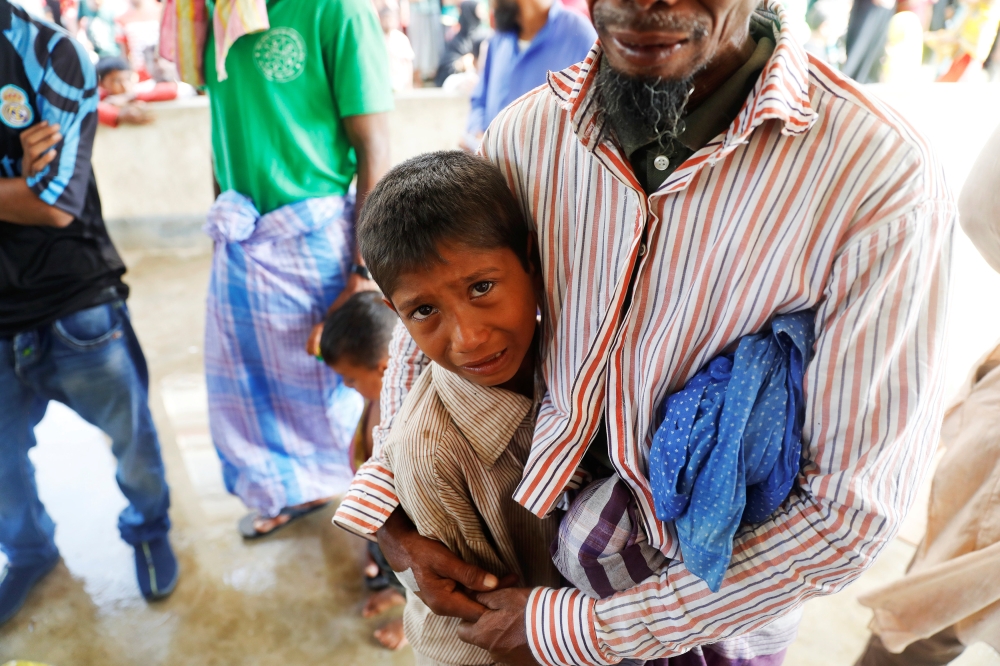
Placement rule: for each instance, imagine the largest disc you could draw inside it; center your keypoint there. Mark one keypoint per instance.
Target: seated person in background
(397, 45)
(447, 243)
(124, 97)
(462, 51)
(355, 344)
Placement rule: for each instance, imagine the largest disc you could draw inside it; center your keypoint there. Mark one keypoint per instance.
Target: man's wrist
(562, 630)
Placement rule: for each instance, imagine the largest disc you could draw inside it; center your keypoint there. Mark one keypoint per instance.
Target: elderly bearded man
(695, 176)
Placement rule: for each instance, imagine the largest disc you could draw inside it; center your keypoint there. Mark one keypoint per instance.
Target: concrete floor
(295, 598)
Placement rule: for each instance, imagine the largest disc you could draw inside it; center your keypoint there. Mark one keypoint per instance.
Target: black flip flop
(246, 528)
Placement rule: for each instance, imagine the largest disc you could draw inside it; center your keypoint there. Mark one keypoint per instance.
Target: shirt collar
(781, 92)
(487, 416)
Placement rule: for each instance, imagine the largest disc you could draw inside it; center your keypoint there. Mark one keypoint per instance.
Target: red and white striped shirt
(817, 196)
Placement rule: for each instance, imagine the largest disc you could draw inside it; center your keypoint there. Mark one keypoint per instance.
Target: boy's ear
(389, 304)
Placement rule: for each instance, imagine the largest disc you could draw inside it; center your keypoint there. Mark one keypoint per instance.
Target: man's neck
(532, 17)
(722, 67)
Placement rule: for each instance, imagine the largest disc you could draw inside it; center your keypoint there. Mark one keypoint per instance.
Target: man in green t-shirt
(302, 110)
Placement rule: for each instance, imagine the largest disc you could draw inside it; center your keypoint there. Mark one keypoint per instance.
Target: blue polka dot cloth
(729, 447)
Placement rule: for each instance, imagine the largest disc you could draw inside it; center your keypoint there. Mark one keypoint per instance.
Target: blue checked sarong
(729, 447)
(281, 421)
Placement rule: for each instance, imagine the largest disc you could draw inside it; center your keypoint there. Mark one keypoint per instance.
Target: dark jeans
(90, 361)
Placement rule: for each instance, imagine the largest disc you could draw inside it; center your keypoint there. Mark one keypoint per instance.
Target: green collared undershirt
(652, 162)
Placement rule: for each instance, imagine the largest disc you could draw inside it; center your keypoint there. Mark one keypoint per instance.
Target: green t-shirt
(277, 133)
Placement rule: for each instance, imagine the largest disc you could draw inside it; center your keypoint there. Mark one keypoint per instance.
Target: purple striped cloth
(601, 549)
(282, 421)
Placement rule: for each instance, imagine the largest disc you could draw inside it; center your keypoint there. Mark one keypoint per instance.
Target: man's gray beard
(650, 106)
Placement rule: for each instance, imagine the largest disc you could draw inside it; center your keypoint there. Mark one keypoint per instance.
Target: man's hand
(501, 630)
(37, 142)
(446, 582)
(355, 284)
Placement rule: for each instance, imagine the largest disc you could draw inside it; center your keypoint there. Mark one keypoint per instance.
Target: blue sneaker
(155, 568)
(16, 582)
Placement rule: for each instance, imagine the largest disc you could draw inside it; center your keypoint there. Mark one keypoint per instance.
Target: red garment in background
(107, 113)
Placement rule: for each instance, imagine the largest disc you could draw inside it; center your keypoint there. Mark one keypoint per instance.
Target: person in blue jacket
(532, 38)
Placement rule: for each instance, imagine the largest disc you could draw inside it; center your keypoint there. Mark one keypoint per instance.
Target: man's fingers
(467, 632)
(469, 575)
(510, 580)
(457, 605)
(43, 162)
(35, 150)
(35, 137)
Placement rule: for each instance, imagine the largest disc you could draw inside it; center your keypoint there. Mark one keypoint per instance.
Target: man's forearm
(369, 135)
(19, 205)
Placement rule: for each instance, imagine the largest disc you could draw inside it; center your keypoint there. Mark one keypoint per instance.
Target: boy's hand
(446, 582)
(500, 630)
(37, 142)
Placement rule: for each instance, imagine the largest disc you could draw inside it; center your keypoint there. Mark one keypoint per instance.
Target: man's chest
(17, 109)
(645, 291)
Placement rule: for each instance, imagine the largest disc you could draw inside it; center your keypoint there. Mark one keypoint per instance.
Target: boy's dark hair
(436, 198)
(359, 331)
(110, 64)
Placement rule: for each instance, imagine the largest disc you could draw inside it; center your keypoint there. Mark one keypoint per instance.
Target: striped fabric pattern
(184, 29)
(817, 197)
(64, 85)
(458, 451)
(281, 421)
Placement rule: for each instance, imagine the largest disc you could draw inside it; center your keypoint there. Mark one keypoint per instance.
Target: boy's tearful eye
(422, 312)
(481, 288)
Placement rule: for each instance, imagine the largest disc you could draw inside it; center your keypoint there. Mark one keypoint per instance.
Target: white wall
(156, 180)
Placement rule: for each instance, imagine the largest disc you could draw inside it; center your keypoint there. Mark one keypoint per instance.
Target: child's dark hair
(448, 197)
(110, 64)
(359, 331)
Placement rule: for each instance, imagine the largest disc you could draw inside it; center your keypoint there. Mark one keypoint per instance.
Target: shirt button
(642, 250)
(661, 163)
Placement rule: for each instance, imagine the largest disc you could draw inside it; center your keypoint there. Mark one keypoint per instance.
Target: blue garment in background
(508, 72)
(729, 447)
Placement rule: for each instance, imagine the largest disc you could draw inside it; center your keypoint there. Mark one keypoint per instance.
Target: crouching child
(447, 243)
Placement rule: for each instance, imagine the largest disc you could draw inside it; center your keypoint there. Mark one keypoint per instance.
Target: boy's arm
(52, 189)
(371, 498)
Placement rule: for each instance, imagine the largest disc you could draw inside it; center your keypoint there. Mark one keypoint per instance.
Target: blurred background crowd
(445, 43)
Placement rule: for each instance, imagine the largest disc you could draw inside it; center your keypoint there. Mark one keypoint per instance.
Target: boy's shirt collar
(486, 416)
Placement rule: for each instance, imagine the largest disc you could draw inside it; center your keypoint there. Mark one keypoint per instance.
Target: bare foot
(371, 568)
(381, 601)
(265, 525)
(391, 635)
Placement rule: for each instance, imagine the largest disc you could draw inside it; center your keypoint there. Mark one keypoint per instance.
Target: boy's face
(473, 314)
(366, 381)
(118, 82)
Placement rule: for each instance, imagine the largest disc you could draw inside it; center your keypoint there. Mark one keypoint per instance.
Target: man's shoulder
(42, 45)
(856, 119)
